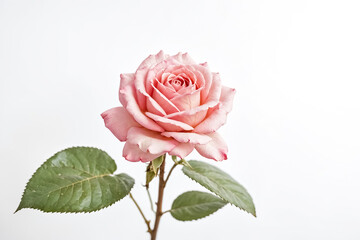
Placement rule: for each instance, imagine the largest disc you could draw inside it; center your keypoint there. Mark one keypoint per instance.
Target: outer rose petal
(188, 137)
(216, 149)
(215, 89)
(118, 121)
(183, 58)
(141, 76)
(217, 117)
(132, 152)
(125, 80)
(182, 150)
(152, 60)
(169, 124)
(133, 108)
(150, 141)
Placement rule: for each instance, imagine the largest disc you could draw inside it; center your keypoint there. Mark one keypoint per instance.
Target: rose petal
(150, 141)
(169, 124)
(154, 107)
(217, 117)
(193, 116)
(191, 119)
(125, 80)
(215, 89)
(187, 101)
(118, 121)
(215, 149)
(132, 152)
(188, 137)
(182, 150)
(133, 108)
(167, 91)
(152, 60)
(163, 101)
(183, 58)
(205, 74)
(141, 83)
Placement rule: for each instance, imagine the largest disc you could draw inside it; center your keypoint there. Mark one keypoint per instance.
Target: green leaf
(77, 179)
(156, 163)
(149, 177)
(195, 205)
(220, 183)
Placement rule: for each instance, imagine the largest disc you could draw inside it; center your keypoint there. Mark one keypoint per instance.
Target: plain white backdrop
(293, 135)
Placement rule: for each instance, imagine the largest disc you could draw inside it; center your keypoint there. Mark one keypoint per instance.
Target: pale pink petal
(188, 137)
(217, 116)
(154, 107)
(193, 116)
(188, 90)
(118, 121)
(143, 90)
(183, 58)
(125, 80)
(152, 60)
(215, 149)
(167, 91)
(182, 150)
(141, 83)
(163, 101)
(150, 141)
(133, 108)
(132, 152)
(215, 89)
(187, 101)
(169, 124)
(191, 119)
(207, 76)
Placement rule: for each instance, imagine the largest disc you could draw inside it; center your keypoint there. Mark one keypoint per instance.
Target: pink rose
(171, 105)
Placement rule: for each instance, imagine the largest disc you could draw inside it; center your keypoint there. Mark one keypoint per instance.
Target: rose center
(178, 82)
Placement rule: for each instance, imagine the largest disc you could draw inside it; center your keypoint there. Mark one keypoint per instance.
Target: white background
(293, 135)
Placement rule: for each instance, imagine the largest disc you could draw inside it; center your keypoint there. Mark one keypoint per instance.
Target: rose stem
(141, 212)
(159, 202)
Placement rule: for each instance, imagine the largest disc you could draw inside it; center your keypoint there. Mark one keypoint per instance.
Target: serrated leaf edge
(18, 208)
(195, 205)
(220, 196)
(96, 210)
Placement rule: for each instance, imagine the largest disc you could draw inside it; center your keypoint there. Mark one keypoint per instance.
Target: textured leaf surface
(220, 183)
(76, 179)
(195, 205)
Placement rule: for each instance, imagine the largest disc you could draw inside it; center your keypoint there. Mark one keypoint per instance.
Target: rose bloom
(171, 104)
